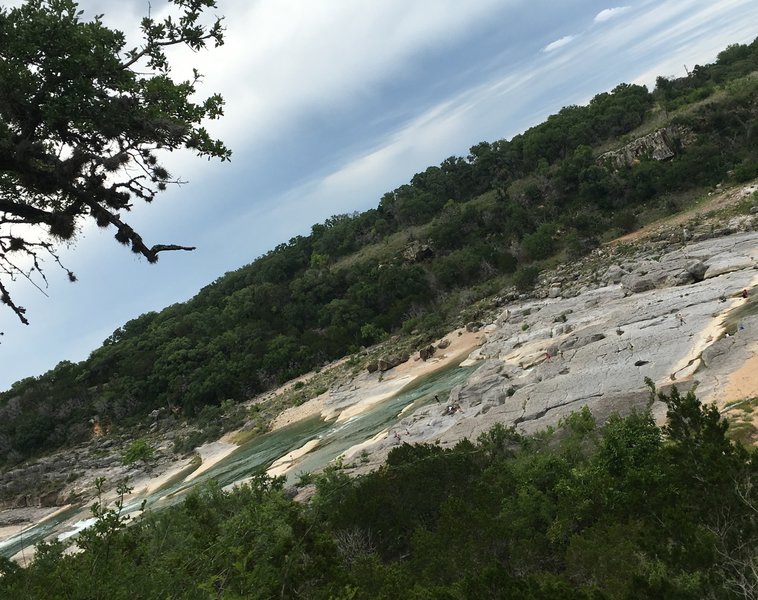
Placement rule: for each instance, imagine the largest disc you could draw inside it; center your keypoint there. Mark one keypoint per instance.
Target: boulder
(682, 278)
(697, 269)
(614, 274)
(426, 353)
(638, 283)
(390, 362)
(418, 252)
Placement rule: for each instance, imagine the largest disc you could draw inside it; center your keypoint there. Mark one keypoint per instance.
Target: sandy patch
(284, 464)
(7, 531)
(210, 454)
(311, 408)
(713, 330)
(353, 450)
(462, 344)
(148, 484)
(388, 390)
(742, 383)
(25, 556)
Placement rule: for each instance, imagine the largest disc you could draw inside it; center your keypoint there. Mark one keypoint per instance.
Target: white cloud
(678, 32)
(286, 57)
(610, 13)
(280, 69)
(566, 39)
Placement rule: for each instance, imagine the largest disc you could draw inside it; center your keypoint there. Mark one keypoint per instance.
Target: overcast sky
(331, 103)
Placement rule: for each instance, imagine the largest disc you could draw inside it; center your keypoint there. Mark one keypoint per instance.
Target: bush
(625, 220)
(526, 278)
(138, 450)
(746, 171)
(540, 244)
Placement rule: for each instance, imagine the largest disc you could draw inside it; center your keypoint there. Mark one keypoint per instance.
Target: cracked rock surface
(545, 358)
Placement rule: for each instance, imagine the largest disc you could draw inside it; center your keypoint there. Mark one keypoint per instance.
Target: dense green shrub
(622, 510)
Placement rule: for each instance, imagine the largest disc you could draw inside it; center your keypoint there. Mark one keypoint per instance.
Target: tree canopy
(589, 511)
(83, 118)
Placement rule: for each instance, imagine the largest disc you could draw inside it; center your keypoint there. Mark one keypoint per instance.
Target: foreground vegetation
(497, 213)
(627, 510)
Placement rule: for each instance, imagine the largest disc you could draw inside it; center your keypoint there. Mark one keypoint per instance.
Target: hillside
(569, 270)
(454, 233)
(552, 478)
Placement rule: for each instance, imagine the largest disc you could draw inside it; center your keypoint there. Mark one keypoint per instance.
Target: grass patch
(245, 435)
(741, 427)
(747, 309)
(743, 432)
(747, 405)
(742, 207)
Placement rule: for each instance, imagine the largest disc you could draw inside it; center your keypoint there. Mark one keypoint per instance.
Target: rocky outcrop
(418, 252)
(474, 326)
(390, 362)
(427, 352)
(654, 314)
(57, 479)
(387, 362)
(662, 144)
(696, 269)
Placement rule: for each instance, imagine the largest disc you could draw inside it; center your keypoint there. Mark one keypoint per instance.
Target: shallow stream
(333, 439)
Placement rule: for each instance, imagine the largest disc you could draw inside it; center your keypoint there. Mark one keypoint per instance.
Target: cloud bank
(610, 13)
(560, 43)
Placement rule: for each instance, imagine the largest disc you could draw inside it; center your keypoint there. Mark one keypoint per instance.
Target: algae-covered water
(331, 440)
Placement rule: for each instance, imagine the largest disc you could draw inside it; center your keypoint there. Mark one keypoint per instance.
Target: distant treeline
(626, 511)
(499, 211)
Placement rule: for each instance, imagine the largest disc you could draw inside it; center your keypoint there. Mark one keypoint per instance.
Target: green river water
(259, 453)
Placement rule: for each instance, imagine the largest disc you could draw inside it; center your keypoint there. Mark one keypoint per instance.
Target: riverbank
(371, 389)
(589, 336)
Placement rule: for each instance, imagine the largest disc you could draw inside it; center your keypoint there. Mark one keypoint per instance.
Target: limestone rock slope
(544, 358)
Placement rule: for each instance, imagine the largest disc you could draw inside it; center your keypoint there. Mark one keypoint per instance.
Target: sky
(332, 103)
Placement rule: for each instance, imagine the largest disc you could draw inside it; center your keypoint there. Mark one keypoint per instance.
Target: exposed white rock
(546, 358)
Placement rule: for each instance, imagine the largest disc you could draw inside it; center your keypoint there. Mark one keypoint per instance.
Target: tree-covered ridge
(627, 510)
(502, 209)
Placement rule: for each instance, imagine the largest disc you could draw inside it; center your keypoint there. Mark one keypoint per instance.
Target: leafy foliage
(83, 120)
(626, 510)
(138, 450)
